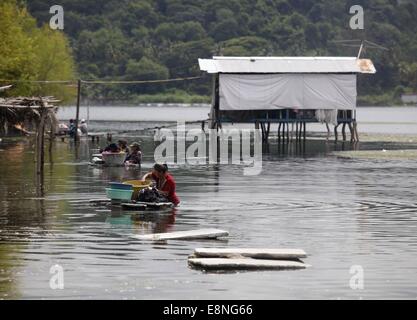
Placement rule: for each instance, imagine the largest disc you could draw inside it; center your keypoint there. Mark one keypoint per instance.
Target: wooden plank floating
(146, 205)
(245, 264)
(273, 254)
(90, 201)
(184, 235)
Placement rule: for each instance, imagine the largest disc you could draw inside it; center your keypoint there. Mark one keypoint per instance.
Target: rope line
(139, 81)
(102, 81)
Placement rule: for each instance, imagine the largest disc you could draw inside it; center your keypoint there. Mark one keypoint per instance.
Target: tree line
(161, 39)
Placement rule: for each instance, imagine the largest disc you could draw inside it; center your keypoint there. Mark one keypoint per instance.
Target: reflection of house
(409, 98)
(284, 89)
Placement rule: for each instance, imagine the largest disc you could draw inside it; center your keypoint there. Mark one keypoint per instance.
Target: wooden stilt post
(355, 130)
(292, 131)
(335, 132)
(268, 130)
(296, 131)
(288, 132)
(77, 115)
(279, 131)
(283, 132)
(328, 131)
(344, 131)
(352, 136)
(304, 129)
(263, 131)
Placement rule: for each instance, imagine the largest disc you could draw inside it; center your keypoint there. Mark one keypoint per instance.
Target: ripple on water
(342, 212)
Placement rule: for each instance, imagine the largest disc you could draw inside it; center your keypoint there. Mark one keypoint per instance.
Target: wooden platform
(244, 263)
(273, 254)
(184, 235)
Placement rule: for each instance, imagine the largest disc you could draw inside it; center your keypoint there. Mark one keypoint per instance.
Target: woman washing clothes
(165, 183)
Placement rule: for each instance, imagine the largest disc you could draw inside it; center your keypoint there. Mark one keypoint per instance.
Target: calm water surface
(341, 212)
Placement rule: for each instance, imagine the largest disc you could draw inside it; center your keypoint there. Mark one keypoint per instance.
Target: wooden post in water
(288, 132)
(268, 130)
(279, 131)
(304, 130)
(262, 124)
(335, 132)
(352, 137)
(344, 131)
(355, 130)
(283, 132)
(40, 141)
(296, 131)
(77, 115)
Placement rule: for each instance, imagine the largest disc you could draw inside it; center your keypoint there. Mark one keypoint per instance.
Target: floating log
(273, 254)
(244, 264)
(184, 235)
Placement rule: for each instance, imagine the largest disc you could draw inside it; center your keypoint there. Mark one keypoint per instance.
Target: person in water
(135, 156)
(123, 146)
(165, 183)
(83, 127)
(71, 128)
(112, 148)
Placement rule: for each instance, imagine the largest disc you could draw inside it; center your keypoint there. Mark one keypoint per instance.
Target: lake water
(342, 212)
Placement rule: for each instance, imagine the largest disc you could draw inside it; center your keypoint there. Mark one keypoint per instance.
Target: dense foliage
(159, 39)
(32, 53)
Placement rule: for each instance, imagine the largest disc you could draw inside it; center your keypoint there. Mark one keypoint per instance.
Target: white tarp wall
(295, 91)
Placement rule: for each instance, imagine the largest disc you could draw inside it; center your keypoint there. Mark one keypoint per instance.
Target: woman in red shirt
(165, 183)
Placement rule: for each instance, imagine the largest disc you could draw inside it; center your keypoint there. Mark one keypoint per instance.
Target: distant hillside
(146, 39)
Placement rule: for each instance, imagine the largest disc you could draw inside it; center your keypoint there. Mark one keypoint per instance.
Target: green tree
(29, 53)
(145, 69)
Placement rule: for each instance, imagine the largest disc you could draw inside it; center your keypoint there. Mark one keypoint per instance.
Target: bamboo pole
(40, 144)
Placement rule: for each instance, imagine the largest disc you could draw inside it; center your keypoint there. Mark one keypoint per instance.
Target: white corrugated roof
(286, 65)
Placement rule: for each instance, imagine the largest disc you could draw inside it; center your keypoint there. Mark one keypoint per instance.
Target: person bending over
(165, 182)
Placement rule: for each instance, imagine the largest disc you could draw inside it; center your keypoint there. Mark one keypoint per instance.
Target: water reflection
(341, 211)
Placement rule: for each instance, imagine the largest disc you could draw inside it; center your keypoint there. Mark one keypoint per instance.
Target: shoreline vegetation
(182, 97)
(144, 40)
(177, 96)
